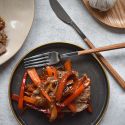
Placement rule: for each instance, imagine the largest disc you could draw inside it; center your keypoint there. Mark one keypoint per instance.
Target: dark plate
(84, 64)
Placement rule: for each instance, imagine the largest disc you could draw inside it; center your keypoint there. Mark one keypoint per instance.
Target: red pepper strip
(34, 76)
(74, 95)
(62, 84)
(31, 105)
(68, 65)
(52, 71)
(20, 102)
(72, 107)
(84, 80)
(26, 99)
(46, 95)
(77, 84)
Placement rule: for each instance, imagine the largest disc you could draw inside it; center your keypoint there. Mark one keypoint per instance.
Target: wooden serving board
(114, 17)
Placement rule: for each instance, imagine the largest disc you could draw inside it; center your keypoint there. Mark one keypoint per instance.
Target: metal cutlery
(60, 12)
(51, 58)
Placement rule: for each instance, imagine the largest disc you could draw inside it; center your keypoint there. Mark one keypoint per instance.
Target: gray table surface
(47, 28)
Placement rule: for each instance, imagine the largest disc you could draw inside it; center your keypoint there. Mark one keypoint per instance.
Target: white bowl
(18, 16)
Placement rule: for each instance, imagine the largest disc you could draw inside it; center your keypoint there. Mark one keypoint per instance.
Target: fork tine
(36, 56)
(36, 66)
(38, 62)
(37, 59)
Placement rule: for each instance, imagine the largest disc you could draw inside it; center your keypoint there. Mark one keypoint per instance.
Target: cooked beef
(82, 100)
(3, 37)
(2, 24)
(2, 48)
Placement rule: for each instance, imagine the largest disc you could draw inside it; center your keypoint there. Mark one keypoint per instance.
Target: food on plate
(54, 91)
(3, 37)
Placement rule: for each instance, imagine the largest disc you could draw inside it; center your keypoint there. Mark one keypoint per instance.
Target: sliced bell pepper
(54, 113)
(44, 93)
(68, 65)
(21, 95)
(52, 71)
(26, 99)
(62, 84)
(84, 80)
(34, 76)
(72, 107)
(77, 84)
(73, 96)
(30, 102)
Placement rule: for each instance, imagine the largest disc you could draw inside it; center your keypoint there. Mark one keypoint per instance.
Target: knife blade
(61, 13)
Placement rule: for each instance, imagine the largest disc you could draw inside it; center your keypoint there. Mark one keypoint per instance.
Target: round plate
(15, 13)
(115, 17)
(83, 64)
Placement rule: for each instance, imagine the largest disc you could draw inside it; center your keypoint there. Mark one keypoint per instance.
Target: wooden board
(115, 17)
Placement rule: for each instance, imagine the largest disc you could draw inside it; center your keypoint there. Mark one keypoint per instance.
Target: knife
(61, 13)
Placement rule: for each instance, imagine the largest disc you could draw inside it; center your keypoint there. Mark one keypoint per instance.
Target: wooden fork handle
(101, 49)
(107, 65)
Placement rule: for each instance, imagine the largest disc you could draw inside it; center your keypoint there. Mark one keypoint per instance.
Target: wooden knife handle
(102, 49)
(107, 65)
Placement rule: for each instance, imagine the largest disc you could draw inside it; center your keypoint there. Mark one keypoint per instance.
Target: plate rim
(7, 59)
(101, 115)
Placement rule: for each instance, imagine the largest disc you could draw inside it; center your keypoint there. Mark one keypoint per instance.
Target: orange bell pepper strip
(30, 102)
(62, 84)
(26, 99)
(52, 71)
(68, 65)
(77, 84)
(34, 76)
(37, 81)
(54, 113)
(84, 80)
(44, 93)
(73, 96)
(21, 95)
(72, 107)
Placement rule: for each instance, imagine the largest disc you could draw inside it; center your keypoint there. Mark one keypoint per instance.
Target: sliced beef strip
(2, 48)
(82, 101)
(2, 24)
(3, 37)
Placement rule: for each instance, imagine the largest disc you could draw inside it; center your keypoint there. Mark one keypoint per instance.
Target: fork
(51, 58)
